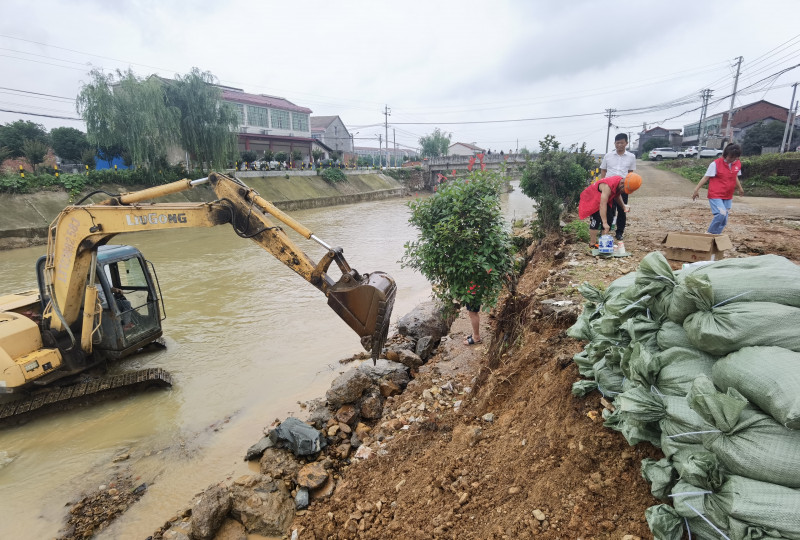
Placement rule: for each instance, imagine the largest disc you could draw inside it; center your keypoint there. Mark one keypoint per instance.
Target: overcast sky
(434, 63)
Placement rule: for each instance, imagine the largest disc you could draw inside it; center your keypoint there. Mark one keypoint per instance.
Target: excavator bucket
(365, 303)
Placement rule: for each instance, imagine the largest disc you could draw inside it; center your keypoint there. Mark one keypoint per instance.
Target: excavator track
(63, 398)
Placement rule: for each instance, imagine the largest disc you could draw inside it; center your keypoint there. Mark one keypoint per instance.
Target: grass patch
(578, 229)
(768, 184)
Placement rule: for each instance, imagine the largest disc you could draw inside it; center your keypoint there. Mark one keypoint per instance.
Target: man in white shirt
(620, 162)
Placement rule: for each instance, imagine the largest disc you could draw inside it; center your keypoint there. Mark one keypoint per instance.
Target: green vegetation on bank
(769, 175)
(74, 184)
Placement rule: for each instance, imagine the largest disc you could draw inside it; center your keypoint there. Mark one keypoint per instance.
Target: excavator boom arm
(364, 302)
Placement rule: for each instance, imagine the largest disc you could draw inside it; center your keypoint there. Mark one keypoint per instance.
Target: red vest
(723, 184)
(590, 197)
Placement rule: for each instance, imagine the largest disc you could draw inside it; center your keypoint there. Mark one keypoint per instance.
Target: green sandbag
(672, 447)
(585, 365)
(766, 376)
(745, 508)
(643, 330)
(594, 307)
(671, 372)
(729, 328)
(620, 284)
(583, 388)
(747, 441)
(673, 414)
(609, 379)
(633, 431)
(672, 335)
(661, 475)
(666, 524)
(655, 278)
(766, 278)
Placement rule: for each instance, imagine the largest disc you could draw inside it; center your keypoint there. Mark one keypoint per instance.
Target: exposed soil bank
(26, 217)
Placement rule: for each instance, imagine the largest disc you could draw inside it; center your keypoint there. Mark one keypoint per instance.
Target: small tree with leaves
(68, 143)
(463, 247)
(34, 152)
(14, 134)
(317, 154)
(436, 144)
(554, 180)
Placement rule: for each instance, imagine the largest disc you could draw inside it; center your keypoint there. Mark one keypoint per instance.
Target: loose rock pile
(301, 461)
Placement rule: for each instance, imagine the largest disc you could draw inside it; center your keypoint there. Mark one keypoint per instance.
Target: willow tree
(127, 111)
(207, 124)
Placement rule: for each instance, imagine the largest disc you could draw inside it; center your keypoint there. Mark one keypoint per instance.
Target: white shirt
(712, 169)
(618, 165)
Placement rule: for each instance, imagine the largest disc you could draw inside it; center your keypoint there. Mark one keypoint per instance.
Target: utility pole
(791, 130)
(387, 112)
(729, 128)
(380, 150)
(608, 131)
(706, 95)
(788, 118)
(394, 142)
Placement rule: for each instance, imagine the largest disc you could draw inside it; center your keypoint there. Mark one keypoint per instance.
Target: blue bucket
(606, 244)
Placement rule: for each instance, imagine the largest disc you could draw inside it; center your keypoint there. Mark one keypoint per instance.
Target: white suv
(689, 151)
(708, 152)
(657, 154)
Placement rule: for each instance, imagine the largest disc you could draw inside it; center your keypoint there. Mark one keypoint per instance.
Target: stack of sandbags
(705, 362)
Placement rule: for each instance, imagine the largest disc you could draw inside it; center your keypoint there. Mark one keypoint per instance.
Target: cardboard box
(691, 247)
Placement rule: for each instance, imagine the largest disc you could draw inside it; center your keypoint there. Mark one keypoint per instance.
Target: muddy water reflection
(247, 339)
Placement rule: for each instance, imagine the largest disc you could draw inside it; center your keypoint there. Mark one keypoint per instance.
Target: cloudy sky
(501, 74)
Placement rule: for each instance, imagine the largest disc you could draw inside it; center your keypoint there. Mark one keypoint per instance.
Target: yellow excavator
(98, 302)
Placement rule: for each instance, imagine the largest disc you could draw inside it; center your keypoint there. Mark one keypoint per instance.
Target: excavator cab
(130, 301)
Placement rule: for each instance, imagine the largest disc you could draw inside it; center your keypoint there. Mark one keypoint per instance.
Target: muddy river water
(247, 340)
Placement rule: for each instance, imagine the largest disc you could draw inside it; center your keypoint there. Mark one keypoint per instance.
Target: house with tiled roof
(270, 123)
(332, 132)
(464, 149)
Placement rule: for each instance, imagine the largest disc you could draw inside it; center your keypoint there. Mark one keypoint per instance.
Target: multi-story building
(744, 117)
(270, 123)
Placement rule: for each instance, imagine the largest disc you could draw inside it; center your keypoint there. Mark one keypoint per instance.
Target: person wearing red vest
(597, 199)
(723, 178)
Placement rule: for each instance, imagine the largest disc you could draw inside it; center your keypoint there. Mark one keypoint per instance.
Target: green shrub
(579, 229)
(555, 181)
(332, 176)
(463, 247)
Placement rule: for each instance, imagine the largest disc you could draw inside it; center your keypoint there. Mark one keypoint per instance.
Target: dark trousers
(622, 217)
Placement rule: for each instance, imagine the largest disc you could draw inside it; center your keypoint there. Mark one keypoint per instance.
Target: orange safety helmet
(632, 182)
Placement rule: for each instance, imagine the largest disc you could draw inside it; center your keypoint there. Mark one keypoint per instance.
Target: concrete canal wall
(24, 218)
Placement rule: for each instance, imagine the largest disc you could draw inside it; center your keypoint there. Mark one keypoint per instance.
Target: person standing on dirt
(597, 198)
(723, 178)
(620, 162)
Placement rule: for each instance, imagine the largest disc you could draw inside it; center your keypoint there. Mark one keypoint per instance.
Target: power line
(44, 115)
(501, 121)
